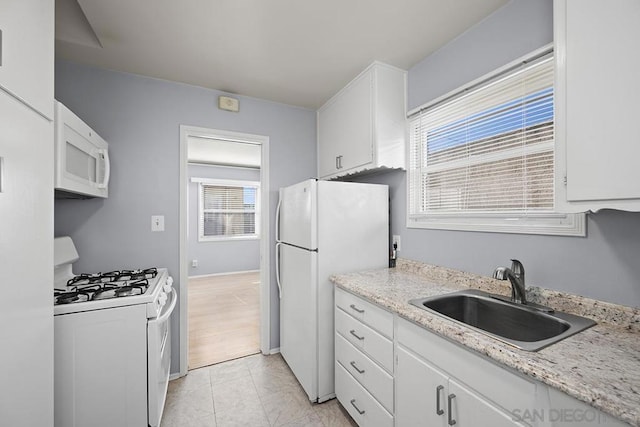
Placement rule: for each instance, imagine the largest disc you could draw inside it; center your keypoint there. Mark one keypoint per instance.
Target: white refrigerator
(323, 228)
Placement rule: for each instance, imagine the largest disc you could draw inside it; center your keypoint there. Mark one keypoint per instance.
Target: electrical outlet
(194, 263)
(396, 240)
(157, 223)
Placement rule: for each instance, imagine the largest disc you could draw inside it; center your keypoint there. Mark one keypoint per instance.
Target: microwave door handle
(107, 168)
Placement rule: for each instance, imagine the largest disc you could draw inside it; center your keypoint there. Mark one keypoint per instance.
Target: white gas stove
(112, 339)
(96, 291)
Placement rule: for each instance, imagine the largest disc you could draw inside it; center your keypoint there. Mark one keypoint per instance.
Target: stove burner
(104, 292)
(110, 276)
(148, 273)
(70, 297)
(87, 279)
(134, 288)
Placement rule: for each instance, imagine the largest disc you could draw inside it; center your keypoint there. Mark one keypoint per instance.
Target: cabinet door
(596, 108)
(468, 409)
(26, 52)
(421, 392)
(345, 130)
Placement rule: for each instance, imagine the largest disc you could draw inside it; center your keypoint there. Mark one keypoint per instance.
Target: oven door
(159, 360)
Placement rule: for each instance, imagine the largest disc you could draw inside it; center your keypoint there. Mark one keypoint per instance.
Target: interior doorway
(224, 298)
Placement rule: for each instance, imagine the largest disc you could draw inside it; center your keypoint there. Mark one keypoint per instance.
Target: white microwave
(82, 165)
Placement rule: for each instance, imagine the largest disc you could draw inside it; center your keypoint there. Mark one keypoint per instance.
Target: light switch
(157, 223)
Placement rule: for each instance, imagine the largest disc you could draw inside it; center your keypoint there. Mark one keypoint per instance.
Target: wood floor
(224, 318)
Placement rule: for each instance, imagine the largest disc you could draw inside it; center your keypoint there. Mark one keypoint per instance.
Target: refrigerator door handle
(278, 268)
(278, 219)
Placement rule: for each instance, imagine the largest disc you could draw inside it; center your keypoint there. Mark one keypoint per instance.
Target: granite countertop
(599, 366)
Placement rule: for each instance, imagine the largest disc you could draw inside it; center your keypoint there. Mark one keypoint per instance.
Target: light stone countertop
(599, 366)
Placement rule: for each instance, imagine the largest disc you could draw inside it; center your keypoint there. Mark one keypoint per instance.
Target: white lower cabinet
(421, 392)
(364, 360)
(425, 396)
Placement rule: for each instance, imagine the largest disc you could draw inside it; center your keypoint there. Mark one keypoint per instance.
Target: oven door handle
(165, 316)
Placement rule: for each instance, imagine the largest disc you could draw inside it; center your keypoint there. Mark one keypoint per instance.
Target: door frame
(265, 254)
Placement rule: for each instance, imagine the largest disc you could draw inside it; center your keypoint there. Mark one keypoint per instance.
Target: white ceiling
(291, 51)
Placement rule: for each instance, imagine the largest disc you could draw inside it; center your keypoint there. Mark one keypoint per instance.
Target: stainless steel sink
(526, 327)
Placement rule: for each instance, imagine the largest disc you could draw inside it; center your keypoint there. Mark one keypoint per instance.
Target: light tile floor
(252, 391)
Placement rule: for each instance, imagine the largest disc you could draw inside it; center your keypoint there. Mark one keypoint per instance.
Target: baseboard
(274, 350)
(223, 274)
(175, 376)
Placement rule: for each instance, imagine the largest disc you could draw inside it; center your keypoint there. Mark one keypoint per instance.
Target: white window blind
(487, 152)
(228, 211)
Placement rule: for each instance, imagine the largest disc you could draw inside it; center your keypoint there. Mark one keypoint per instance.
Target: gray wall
(604, 265)
(224, 256)
(140, 118)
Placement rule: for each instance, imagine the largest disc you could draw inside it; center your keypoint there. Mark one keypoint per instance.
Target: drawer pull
(353, 332)
(450, 415)
(353, 306)
(353, 363)
(439, 411)
(353, 403)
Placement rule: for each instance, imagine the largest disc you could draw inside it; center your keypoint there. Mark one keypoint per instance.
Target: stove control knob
(168, 284)
(162, 299)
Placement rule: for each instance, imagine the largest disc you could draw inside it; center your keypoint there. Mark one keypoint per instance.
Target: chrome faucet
(515, 275)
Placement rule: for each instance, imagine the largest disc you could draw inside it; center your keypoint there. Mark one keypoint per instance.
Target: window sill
(550, 224)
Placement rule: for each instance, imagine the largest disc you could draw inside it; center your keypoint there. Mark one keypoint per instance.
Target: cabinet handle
(356, 308)
(449, 405)
(353, 363)
(439, 411)
(353, 332)
(353, 403)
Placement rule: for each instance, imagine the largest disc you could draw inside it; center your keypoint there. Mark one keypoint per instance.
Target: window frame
(202, 182)
(561, 224)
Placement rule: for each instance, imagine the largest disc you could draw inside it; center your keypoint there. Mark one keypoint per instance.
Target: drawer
(378, 318)
(362, 407)
(371, 376)
(365, 339)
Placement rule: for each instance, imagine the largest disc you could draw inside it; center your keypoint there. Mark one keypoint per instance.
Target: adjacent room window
(482, 158)
(228, 210)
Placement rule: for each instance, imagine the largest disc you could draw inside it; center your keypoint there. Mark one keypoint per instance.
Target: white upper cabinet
(597, 93)
(363, 126)
(27, 52)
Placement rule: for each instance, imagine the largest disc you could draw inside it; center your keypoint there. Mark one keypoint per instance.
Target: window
(482, 159)
(228, 210)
